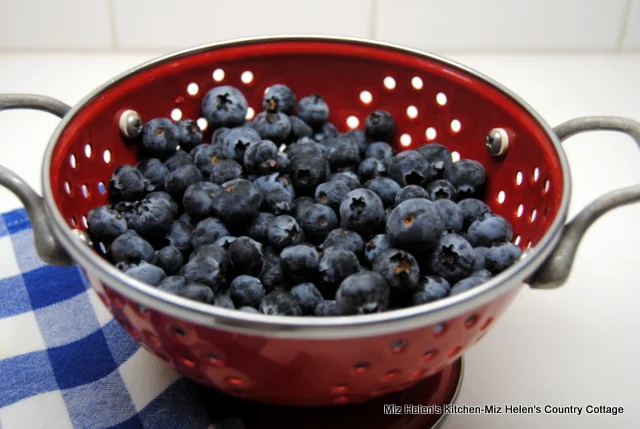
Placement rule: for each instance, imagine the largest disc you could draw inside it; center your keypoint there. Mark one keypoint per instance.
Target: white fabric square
(103, 315)
(8, 264)
(20, 334)
(146, 377)
(44, 411)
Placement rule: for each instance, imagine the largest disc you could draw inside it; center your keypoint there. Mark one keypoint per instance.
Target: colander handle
(555, 270)
(47, 246)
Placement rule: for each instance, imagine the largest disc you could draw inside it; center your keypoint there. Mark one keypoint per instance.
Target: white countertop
(577, 345)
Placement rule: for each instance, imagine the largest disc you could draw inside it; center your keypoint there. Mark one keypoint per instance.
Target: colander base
(433, 392)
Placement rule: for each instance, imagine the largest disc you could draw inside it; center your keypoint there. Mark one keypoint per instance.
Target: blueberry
(488, 230)
(472, 209)
(224, 106)
(224, 171)
(152, 218)
(327, 308)
(246, 256)
(415, 223)
(331, 194)
(380, 125)
(246, 291)
(179, 180)
(282, 162)
(258, 227)
(197, 292)
(299, 263)
(225, 242)
(177, 160)
(278, 201)
(175, 208)
(207, 157)
(106, 223)
(438, 155)
(172, 284)
(313, 110)
(218, 136)
(429, 289)
(131, 249)
(400, 269)
(501, 257)
(248, 310)
(208, 231)
(127, 184)
(485, 274)
(480, 257)
(376, 246)
(348, 178)
(466, 284)
(360, 138)
(273, 126)
(410, 192)
(261, 157)
(271, 276)
(170, 259)
(279, 98)
(336, 265)
(370, 168)
(326, 131)
(300, 204)
(274, 181)
(189, 134)
(441, 189)
(379, 151)
(345, 239)
(467, 175)
(411, 168)
(236, 141)
(239, 201)
(453, 258)
(279, 302)
(311, 147)
(204, 270)
(451, 215)
(284, 231)
(385, 188)
(362, 211)
(160, 137)
(224, 301)
(198, 199)
(146, 273)
(309, 297)
(343, 153)
(154, 172)
(308, 171)
(217, 253)
(299, 129)
(184, 217)
(387, 214)
(318, 221)
(179, 236)
(363, 293)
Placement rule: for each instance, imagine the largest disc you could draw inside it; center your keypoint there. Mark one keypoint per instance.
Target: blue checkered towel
(65, 362)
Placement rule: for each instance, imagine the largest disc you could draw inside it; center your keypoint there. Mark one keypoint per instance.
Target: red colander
(305, 360)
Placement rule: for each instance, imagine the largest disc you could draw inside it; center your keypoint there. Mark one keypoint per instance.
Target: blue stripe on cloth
(24, 376)
(15, 221)
(120, 343)
(132, 423)
(49, 285)
(28, 259)
(67, 321)
(14, 298)
(82, 362)
(178, 404)
(101, 404)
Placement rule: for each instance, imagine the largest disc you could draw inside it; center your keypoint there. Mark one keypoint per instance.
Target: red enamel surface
(305, 372)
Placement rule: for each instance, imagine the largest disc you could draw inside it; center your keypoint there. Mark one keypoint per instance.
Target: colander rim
(303, 327)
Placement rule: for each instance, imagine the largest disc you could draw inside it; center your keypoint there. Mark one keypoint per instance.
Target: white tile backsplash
(502, 25)
(151, 24)
(54, 24)
(632, 37)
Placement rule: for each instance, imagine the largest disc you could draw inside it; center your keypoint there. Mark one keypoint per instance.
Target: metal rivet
(130, 124)
(497, 141)
(83, 236)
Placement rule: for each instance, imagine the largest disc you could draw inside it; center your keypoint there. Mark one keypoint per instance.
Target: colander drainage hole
(454, 351)
(177, 330)
(72, 161)
(366, 97)
(186, 362)
(520, 210)
(106, 155)
(430, 133)
(418, 373)
(517, 240)
(353, 122)
(389, 82)
(398, 347)
(361, 367)
(391, 374)
(439, 329)
(85, 191)
(84, 222)
(101, 188)
(214, 360)
(455, 156)
(218, 75)
(340, 388)
(67, 187)
(193, 88)
(416, 82)
(501, 197)
(250, 113)
(176, 114)
(246, 77)
(486, 323)
(202, 124)
(405, 140)
(536, 174)
(429, 354)
(456, 126)
(471, 321)
(234, 381)
(88, 151)
(441, 98)
(412, 112)
(547, 185)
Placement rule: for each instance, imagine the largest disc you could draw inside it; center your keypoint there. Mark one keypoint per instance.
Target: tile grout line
(112, 25)
(625, 24)
(373, 25)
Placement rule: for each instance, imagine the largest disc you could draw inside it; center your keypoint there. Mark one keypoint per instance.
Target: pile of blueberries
(285, 215)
